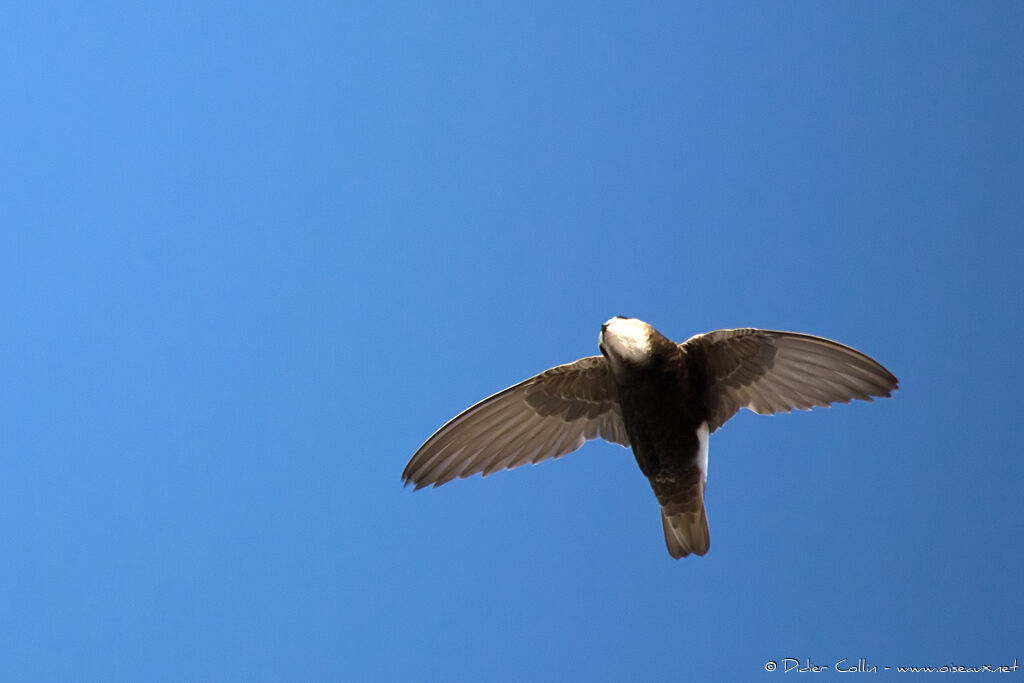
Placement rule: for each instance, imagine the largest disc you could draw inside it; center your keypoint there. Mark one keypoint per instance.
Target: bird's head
(626, 343)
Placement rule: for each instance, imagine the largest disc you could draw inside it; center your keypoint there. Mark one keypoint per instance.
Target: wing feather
(768, 372)
(546, 416)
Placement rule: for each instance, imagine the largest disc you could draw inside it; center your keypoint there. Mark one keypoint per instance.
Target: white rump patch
(702, 452)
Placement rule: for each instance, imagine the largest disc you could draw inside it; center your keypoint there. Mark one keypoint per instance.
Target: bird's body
(662, 398)
(666, 428)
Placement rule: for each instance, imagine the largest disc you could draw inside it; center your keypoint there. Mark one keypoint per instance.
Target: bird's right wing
(772, 372)
(546, 416)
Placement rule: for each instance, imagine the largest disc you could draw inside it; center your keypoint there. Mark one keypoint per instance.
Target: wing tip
(410, 478)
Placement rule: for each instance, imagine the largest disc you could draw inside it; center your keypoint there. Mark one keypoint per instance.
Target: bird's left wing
(546, 416)
(771, 372)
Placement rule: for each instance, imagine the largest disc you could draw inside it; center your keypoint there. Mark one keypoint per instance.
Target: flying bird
(659, 397)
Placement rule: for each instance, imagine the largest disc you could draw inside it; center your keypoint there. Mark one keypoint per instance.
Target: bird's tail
(686, 530)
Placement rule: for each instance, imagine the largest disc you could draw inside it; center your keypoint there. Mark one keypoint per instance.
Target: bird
(661, 398)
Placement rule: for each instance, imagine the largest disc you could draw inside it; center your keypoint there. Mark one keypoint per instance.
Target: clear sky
(253, 254)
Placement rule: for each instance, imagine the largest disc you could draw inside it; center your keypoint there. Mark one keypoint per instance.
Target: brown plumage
(659, 397)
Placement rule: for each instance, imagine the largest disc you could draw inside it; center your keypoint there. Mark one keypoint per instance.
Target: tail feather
(686, 532)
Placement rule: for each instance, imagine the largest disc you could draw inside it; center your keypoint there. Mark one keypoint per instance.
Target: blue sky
(254, 254)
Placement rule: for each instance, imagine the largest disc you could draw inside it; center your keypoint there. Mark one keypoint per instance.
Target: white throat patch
(626, 342)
